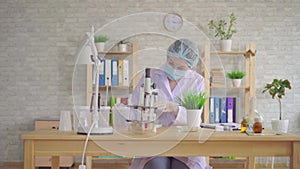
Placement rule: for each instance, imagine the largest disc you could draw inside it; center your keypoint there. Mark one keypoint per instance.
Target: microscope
(146, 107)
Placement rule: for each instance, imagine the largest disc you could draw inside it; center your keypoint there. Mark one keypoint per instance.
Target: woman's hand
(171, 107)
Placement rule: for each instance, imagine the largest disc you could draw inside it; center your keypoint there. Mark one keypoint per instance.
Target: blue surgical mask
(172, 73)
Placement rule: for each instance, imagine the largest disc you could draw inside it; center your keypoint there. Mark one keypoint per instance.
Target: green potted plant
(224, 31)
(100, 42)
(277, 90)
(236, 77)
(193, 102)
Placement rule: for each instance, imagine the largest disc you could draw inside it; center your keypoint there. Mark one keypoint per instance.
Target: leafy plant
(192, 100)
(235, 75)
(220, 28)
(101, 38)
(277, 91)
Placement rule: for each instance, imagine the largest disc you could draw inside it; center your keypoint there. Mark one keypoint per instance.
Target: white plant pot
(123, 47)
(226, 45)
(100, 46)
(280, 125)
(236, 82)
(194, 117)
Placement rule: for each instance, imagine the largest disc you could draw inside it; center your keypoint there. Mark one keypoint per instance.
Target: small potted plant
(277, 90)
(193, 103)
(236, 77)
(100, 42)
(224, 31)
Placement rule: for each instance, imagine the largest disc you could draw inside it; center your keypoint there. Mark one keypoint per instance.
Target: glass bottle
(244, 124)
(257, 126)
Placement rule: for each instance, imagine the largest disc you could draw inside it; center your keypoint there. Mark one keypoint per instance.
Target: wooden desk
(58, 143)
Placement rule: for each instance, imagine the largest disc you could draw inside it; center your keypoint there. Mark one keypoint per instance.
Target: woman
(175, 78)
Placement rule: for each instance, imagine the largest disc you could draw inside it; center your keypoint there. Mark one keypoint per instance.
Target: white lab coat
(191, 82)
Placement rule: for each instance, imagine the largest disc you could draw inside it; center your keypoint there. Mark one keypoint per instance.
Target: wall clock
(173, 22)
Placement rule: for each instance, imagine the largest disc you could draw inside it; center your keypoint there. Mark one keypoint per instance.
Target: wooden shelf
(249, 85)
(229, 87)
(114, 55)
(116, 52)
(115, 87)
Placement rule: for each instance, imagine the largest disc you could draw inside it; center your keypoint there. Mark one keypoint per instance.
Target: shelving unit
(108, 55)
(90, 88)
(249, 87)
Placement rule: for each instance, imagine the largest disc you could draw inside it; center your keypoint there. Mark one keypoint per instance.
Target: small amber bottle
(244, 125)
(257, 126)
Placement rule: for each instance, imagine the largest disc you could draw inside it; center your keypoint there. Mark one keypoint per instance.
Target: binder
(217, 109)
(125, 73)
(223, 110)
(107, 72)
(102, 73)
(120, 72)
(211, 110)
(231, 110)
(114, 73)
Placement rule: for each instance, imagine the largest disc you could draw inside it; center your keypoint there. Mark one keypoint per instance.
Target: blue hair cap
(186, 50)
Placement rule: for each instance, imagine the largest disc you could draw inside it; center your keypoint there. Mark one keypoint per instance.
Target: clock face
(173, 22)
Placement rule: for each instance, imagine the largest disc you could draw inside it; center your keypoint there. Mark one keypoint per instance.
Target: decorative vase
(236, 82)
(123, 47)
(280, 125)
(194, 118)
(100, 46)
(226, 45)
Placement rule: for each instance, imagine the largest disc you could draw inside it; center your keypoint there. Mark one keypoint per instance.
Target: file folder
(114, 73)
(107, 72)
(102, 73)
(120, 72)
(125, 73)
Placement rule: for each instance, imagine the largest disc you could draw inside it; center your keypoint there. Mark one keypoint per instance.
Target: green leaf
(192, 100)
(222, 29)
(235, 75)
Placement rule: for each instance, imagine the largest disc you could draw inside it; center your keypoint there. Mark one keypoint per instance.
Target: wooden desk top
(167, 134)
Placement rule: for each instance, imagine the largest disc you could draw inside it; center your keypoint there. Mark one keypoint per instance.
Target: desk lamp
(90, 55)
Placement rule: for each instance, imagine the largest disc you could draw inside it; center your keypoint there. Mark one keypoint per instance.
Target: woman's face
(177, 63)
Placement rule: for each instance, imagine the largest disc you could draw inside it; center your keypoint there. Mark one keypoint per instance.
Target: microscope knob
(153, 86)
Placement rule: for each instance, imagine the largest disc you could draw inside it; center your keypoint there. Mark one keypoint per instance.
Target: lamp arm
(96, 73)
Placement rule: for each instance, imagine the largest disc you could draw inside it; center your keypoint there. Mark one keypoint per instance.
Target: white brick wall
(38, 41)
